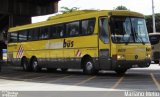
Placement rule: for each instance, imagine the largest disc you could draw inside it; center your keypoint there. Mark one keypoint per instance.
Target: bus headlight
(120, 57)
(148, 56)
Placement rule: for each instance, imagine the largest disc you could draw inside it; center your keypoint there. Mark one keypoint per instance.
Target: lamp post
(153, 17)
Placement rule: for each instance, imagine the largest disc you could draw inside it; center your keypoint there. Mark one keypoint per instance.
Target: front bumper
(130, 63)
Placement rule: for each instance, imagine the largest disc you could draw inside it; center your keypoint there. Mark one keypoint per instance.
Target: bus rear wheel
(120, 71)
(35, 66)
(25, 65)
(89, 67)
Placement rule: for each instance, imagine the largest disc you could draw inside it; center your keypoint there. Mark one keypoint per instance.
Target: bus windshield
(129, 30)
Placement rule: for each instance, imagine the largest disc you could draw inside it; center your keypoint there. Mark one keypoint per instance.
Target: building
(19, 12)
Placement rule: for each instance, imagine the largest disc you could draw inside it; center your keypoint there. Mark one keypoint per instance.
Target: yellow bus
(88, 39)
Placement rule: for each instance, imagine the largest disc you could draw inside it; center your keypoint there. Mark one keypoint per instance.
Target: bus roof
(73, 16)
(111, 12)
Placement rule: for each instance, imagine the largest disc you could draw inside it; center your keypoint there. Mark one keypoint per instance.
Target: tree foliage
(67, 10)
(121, 7)
(150, 23)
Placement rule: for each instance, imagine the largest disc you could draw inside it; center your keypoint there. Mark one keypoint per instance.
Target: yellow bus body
(51, 53)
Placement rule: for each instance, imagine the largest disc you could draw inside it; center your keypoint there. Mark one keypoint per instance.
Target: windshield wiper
(128, 40)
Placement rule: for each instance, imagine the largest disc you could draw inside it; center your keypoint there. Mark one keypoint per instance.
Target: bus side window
(60, 30)
(33, 34)
(43, 34)
(13, 37)
(88, 26)
(73, 28)
(53, 32)
(103, 29)
(22, 36)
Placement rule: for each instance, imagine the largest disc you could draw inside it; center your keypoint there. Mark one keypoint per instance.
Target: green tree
(121, 7)
(67, 10)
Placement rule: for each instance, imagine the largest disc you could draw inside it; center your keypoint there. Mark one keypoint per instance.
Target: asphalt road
(15, 79)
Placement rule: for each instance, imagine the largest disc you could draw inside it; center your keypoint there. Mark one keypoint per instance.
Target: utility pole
(153, 17)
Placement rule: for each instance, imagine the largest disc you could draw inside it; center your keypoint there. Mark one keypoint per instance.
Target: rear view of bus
(154, 39)
(131, 42)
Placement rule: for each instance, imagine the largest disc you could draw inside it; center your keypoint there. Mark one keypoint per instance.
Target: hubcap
(35, 64)
(89, 66)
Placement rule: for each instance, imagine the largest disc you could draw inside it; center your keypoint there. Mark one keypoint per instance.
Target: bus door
(104, 44)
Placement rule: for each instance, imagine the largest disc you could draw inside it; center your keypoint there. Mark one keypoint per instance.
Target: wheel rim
(35, 64)
(89, 66)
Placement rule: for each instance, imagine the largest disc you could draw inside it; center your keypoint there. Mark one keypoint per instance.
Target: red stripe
(78, 54)
(20, 52)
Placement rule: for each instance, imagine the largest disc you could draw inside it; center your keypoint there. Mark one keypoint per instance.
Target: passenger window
(33, 34)
(22, 36)
(103, 29)
(60, 30)
(44, 33)
(88, 26)
(13, 37)
(53, 32)
(72, 28)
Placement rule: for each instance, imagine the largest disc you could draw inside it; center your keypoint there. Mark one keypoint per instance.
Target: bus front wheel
(89, 67)
(35, 66)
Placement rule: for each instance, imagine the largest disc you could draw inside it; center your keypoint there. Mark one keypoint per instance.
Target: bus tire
(35, 66)
(120, 71)
(64, 69)
(25, 64)
(89, 67)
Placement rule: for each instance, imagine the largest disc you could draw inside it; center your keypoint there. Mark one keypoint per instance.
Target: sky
(141, 6)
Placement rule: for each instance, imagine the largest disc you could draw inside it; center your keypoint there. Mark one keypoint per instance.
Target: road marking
(17, 77)
(155, 81)
(60, 78)
(84, 81)
(11, 73)
(35, 78)
(117, 83)
(80, 83)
